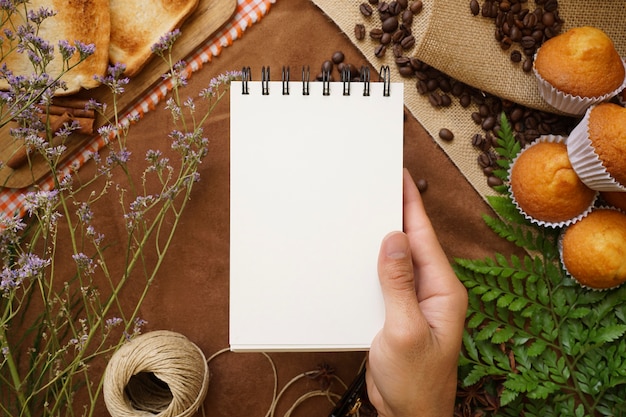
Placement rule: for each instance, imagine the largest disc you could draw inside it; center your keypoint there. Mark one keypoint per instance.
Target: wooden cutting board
(208, 18)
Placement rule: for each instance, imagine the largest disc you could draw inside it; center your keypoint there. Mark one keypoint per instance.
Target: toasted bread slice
(136, 25)
(87, 21)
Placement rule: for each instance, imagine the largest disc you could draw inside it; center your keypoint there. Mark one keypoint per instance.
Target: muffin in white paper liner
(585, 160)
(562, 261)
(532, 219)
(568, 103)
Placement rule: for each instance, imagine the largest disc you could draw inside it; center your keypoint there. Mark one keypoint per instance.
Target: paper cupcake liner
(568, 103)
(539, 222)
(586, 161)
(567, 272)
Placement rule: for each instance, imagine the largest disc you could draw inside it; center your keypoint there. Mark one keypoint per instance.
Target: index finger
(433, 274)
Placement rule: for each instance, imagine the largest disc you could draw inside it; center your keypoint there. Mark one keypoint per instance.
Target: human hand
(412, 363)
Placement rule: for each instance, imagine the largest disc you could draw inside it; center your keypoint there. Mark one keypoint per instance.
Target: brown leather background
(190, 295)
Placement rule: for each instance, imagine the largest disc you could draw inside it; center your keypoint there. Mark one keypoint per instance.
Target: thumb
(395, 271)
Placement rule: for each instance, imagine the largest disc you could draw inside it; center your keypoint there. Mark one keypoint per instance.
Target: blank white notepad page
(315, 183)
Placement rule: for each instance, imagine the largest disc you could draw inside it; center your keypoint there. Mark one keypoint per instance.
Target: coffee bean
(376, 33)
(432, 84)
(407, 17)
(478, 141)
(494, 181)
(445, 85)
(516, 56)
(417, 6)
(406, 71)
(397, 36)
(435, 100)
(394, 8)
(397, 50)
(366, 9)
(380, 50)
(529, 41)
(422, 185)
(515, 34)
(551, 5)
(408, 42)
(403, 4)
(527, 66)
(373, 2)
(327, 66)
(359, 31)
(446, 134)
(474, 7)
(390, 25)
(385, 39)
(484, 160)
(422, 87)
(477, 118)
(338, 57)
(488, 123)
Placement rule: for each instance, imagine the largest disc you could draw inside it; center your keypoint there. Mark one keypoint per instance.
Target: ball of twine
(160, 373)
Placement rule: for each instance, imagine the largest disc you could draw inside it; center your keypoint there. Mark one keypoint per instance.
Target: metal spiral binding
(285, 78)
(365, 79)
(385, 76)
(265, 81)
(345, 79)
(306, 78)
(245, 78)
(326, 82)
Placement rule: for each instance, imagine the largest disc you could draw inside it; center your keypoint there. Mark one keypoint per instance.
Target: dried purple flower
(165, 42)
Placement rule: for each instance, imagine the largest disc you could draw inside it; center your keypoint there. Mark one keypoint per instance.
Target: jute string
(160, 373)
(449, 38)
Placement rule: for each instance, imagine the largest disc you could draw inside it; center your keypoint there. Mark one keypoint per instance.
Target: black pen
(352, 399)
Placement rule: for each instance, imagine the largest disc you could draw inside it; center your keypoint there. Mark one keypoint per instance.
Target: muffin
(597, 146)
(578, 68)
(545, 187)
(593, 250)
(615, 199)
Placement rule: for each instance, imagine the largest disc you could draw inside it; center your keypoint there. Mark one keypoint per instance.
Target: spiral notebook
(315, 185)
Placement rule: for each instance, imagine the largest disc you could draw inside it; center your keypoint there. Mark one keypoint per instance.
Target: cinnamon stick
(86, 124)
(58, 110)
(20, 156)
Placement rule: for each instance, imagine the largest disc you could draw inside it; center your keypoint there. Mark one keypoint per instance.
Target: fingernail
(396, 245)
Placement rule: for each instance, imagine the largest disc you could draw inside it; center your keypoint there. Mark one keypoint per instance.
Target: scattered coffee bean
(446, 134)
(376, 33)
(390, 24)
(416, 7)
(408, 42)
(359, 31)
(422, 185)
(474, 7)
(338, 57)
(407, 17)
(380, 51)
(366, 9)
(527, 66)
(494, 181)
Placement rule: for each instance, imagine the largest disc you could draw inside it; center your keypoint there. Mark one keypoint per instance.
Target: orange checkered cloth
(248, 12)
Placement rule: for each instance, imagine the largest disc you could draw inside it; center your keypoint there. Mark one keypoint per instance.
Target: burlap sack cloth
(449, 38)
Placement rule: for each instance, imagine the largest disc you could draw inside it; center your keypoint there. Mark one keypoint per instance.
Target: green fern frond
(553, 347)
